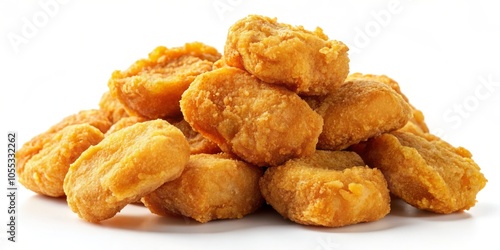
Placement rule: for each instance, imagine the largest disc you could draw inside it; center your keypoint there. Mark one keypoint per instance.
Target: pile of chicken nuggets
(277, 119)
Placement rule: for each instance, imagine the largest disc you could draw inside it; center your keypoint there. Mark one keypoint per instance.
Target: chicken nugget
(152, 87)
(304, 61)
(429, 175)
(44, 172)
(261, 123)
(377, 78)
(212, 187)
(359, 110)
(94, 117)
(220, 64)
(125, 122)
(197, 142)
(329, 188)
(113, 107)
(123, 167)
(417, 123)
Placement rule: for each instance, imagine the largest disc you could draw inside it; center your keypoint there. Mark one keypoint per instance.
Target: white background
(56, 60)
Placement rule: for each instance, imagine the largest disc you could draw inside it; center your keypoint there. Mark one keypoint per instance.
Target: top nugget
(303, 61)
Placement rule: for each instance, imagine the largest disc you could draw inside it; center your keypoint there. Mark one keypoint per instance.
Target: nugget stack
(276, 119)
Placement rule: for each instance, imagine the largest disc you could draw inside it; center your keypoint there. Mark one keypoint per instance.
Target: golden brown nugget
(197, 143)
(212, 187)
(417, 123)
(304, 61)
(152, 87)
(359, 110)
(361, 147)
(377, 78)
(113, 107)
(261, 123)
(329, 188)
(220, 64)
(44, 172)
(125, 122)
(427, 174)
(123, 167)
(436, 140)
(94, 117)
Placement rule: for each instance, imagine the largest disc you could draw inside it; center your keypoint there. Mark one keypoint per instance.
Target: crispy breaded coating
(377, 78)
(94, 117)
(329, 188)
(152, 87)
(304, 61)
(189, 132)
(220, 63)
(359, 110)
(125, 122)
(123, 167)
(212, 187)
(261, 123)
(417, 123)
(435, 139)
(44, 172)
(113, 107)
(428, 174)
(197, 142)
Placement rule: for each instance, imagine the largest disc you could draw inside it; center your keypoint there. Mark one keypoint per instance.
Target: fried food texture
(113, 108)
(377, 78)
(278, 119)
(359, 110)
(94, 117)
(261, 123)
(304, 61)
(329, 188)
(123, 167)
(212, 187)
(44, 172)
(428, 174)
(197, 142)
(152, 87)
(417, 123)
(125, 122)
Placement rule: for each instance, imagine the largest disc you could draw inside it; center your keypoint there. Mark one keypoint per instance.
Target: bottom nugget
(123, 167)
(329, 188)
(428, 173)
(212, 186)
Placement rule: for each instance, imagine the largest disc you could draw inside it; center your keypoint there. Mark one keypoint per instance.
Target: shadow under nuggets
(263, 217)
(400, 208)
